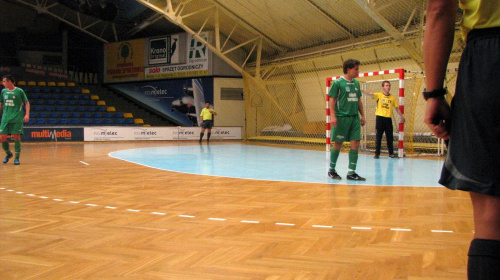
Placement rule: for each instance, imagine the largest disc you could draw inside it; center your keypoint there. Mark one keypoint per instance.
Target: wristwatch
(434, 93)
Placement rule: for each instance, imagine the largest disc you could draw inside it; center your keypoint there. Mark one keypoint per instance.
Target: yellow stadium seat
(71, 84)
(85, 90)
(101, 103)
(42, 84)
(138, 121)
(31, 83)
(51, 84)
(21, 83)
(94, 97)
(61, 84)
(111, 109)
(128, 115)
(145, 125)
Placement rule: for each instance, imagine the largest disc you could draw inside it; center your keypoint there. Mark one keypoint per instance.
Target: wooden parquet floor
(70, 211)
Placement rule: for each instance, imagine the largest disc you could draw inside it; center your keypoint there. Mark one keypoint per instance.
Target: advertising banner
(109, 133)
(180, 100)
(124, 61)
(164, 50)
(197, 62)
(52, 134)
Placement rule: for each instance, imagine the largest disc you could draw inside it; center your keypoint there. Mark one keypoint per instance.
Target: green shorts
(11, 128)
(348, 128)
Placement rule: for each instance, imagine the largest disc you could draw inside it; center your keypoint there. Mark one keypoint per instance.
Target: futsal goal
(411, 137)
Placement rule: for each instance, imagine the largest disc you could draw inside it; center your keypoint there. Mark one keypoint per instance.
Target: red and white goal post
(400, 76)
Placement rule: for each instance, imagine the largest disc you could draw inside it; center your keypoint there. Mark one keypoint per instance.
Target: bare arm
(361, 112)
(27, 116)
(367, 92)
(440, 24)
(402, 118)
(331, 105)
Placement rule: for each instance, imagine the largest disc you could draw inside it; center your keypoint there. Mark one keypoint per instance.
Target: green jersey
(12, 104)
(347, 94)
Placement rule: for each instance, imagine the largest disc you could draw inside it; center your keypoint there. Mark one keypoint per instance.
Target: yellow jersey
(479, 14)
(207, 114)
(385, 103)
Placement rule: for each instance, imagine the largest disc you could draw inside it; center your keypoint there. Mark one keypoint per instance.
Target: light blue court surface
(280, 164)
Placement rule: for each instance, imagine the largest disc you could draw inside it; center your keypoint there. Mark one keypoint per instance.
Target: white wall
(229, 112)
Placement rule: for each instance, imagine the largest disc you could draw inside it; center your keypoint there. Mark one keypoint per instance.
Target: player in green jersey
(12, 100)
(345, 110)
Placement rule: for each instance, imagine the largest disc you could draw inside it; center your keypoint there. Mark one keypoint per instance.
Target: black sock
(201, 136)
(208, 136)
(484, 259)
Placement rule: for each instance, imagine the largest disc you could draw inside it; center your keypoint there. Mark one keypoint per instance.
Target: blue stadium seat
(91, 102)
(65, 115)
(118, 115)
(56, 90)
(45, 96)
(118, 121)
(33, 96)
(70, 108)
(40, 121)
(65, 96)
(107, 115)
(36, 108)
(63, 121)
(37, 102)
(66, 90)
(48, 108)
(52, 121)
(75, 115)
(86, 121)
(85, 96)
(54, 115)
(35, 90)
(75, 96)
(77, 90)
(60, 108)
(100, 108)
(97, 115)
(74, 121)
(61, 102)
(30, 122)
(82, 102)
(86, 115)
(107, 121)
(96, 121)
(129, 121)
(43, 115)
(71, 102)
(32, 115)
(81, 109)
(50, 102)
(56, 96)
(46, 90)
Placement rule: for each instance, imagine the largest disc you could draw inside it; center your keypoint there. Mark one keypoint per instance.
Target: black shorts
(207, 124)
(473, 160)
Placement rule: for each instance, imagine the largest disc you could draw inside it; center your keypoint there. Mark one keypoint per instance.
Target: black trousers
(384, 125)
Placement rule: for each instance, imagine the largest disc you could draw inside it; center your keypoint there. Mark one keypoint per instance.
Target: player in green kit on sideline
(12, 100)
(345, 110)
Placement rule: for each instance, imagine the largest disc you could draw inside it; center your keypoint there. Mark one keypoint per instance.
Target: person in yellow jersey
(383, 117)
(471, 124)
(207, 121)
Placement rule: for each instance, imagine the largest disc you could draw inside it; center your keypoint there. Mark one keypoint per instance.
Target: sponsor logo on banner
(164, 50)
(52, 134)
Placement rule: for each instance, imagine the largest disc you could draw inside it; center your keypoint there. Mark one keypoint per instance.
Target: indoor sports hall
(113, 182)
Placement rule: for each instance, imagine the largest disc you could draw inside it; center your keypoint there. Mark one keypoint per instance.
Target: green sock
(17, 148)
(5, 146)
(353, 161)
(334, 155)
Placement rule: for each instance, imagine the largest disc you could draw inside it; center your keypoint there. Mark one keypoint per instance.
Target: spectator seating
(66, 104)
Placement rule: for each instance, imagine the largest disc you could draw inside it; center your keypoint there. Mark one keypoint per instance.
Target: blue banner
(180, 100)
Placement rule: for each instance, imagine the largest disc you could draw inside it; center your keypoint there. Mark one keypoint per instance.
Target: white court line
(74, 202)
(10, 190)
(133, 210)
(363, 228)
(91, 205)
(442, 231)
(2, 188)
(44, 197)
(216, 219)
(30, 194)
(400, 229)
(19, 192)
(321, 226)
(57, 199)
(249, 222)
(186, 216)
(84, 163)
(110, 207)
(285, 224)
(158, 213)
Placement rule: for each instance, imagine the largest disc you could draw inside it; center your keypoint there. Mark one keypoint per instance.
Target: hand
(26, 118)
(363, 121)
(402, 119)
(438, 117)
(333, 121)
